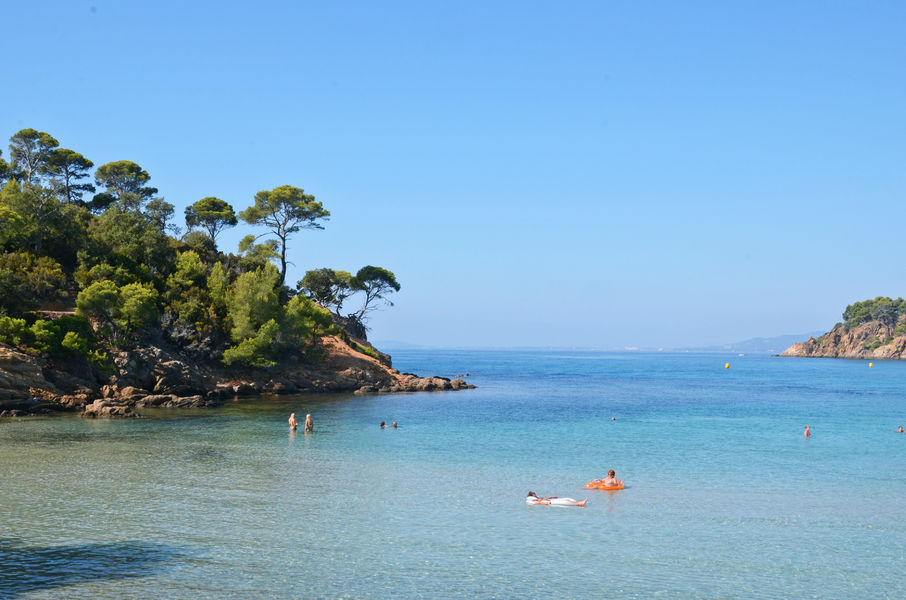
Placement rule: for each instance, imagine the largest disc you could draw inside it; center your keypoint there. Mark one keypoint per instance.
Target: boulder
(105, 409)
(279, 385)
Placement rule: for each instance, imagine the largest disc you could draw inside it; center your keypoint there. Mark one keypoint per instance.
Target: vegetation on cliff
(92, 262)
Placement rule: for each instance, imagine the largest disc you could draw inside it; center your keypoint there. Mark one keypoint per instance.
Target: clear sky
(594, 174)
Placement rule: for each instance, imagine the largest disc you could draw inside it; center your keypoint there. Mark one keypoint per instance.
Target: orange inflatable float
(598, 484)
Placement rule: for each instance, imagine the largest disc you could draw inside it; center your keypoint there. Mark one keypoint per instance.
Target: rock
(74, 401)
(185, 402)
(244, 389)
(105, 409)
(20, 374)
(868, 340)
(278, 385)
(158, 399)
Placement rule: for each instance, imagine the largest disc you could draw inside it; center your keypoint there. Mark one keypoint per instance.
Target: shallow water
(725, 497)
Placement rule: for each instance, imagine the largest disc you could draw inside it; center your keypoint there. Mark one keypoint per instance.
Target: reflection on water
(26, 569)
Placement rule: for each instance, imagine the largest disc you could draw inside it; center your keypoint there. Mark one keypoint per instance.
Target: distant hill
(761, 345)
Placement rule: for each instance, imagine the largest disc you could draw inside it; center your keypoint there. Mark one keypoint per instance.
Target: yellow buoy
(727, 366)
(870, 365)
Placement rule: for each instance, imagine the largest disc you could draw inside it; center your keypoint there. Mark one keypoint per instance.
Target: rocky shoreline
(870, 340)
(153, 376)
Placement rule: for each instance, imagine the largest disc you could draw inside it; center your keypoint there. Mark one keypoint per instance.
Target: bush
(46, 337)
(366, 350)
(14, 331)
(75, 345)
(256, 351)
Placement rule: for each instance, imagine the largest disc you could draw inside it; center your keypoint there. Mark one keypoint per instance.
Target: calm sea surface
(724, 498)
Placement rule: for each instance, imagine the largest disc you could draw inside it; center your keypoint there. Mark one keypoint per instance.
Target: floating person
(808, 432)
(293, 424)
(532, 498)
(394, 424)
(613, 418)
(383, 425)
(608, 483)
(309, 424)
(611, 479)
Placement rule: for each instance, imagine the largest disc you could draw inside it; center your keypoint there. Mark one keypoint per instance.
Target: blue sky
(592, 174)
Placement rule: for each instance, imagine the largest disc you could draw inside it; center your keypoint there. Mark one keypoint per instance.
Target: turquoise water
(725, 497)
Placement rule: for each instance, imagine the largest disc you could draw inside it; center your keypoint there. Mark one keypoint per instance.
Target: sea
(724, 497)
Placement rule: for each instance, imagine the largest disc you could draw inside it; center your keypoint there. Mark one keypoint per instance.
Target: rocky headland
(874, 339)
(155, 375)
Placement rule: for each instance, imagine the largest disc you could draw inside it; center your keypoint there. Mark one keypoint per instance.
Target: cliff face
(870, 340)
(156, 376)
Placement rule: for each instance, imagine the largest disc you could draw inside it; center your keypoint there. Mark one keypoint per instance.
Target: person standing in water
(293, 424)
(808, 432)
(309, 425)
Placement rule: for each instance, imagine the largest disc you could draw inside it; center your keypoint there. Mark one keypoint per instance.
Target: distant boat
(742, 354)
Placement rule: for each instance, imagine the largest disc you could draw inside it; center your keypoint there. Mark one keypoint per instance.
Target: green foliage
(12, 224)
(99, 302)
(26, 280)
(30, 150)
(46, 337)
(256, 256)
(119, 250)
(212, 215)
(118, 310)
(134, 239)
(119, 275)
(881, 309)
(256, 351)
(303, 322)
(6, 171)
(367, 351)
(68, 167)
(218, 285)
(14, 331)
(125, 181)
(328, 287)
(74, 344)
(42, 276)
(137, 305)
(377, 283)
(40, 212)
(189, 271)
(284, 211)
(200, 243)
(252, 301)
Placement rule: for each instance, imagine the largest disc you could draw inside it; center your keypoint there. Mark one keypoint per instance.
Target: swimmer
(383, 425)
(808, 432)
(611, 479)
(293, 424)
(533, 498)
(309, 425)
(900, 430)
(394, 425)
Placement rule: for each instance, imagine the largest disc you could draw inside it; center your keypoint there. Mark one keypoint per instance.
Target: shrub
(255, 351)
(46, 337)
(14, 331)
(75, 345)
